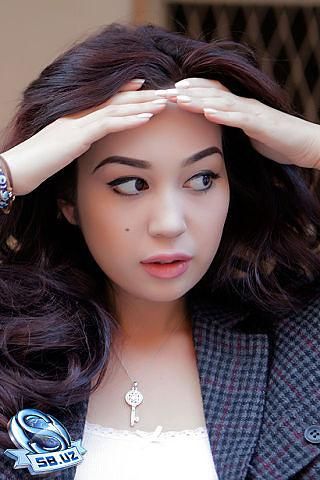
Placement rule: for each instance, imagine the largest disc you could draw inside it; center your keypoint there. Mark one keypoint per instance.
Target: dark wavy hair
(55, 323)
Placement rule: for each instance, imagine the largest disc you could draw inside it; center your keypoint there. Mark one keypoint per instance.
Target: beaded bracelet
(6, 193)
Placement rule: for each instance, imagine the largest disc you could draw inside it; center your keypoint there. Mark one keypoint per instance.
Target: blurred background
(284, 34)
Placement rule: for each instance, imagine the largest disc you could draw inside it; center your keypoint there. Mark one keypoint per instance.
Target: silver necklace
(134, 397)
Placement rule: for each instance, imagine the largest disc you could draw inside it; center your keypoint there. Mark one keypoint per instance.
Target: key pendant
(133, 398)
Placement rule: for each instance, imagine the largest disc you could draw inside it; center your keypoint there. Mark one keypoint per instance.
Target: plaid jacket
(260, 390)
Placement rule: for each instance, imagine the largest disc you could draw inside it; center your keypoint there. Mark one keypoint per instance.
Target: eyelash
(122, 180)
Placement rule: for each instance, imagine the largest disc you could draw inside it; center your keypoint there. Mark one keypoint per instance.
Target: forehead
(174, 133)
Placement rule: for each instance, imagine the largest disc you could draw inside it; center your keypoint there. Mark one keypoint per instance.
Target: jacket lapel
(292, 402)
(233, 370)
(252, 434)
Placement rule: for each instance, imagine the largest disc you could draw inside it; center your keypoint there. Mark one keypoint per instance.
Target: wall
(154, 11)
(34, 32)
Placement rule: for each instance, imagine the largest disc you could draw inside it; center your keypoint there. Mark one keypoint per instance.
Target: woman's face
(145, 201)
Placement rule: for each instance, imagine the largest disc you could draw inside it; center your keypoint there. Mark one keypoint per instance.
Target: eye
(129, 185)
(203, 179)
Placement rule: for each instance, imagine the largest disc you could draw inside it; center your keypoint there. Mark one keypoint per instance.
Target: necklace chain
(153, 356)
(134, 397)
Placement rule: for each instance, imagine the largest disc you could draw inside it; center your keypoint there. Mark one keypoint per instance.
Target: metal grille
(286, 40)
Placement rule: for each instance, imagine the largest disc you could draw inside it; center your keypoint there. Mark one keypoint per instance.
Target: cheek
(105, 225)
(106, 238)
(101, 227)
(212, 221)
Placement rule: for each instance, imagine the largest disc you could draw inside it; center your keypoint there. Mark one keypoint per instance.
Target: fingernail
(138, 80)
(182, 84)
(210, 110)
(160, 100)
(184, 98)
(144, 115)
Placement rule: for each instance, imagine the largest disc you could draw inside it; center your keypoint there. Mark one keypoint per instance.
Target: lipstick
(167, 265)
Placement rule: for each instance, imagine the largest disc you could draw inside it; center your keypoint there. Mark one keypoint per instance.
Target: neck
(145, 323)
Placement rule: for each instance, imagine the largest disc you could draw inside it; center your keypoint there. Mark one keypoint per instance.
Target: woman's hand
(277, 135)
(58, 144)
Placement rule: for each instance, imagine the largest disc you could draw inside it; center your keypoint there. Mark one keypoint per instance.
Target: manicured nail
(160, 100)
(144, 115)
(184, 98)
(210, 110)
(138, 80)
(182, 84)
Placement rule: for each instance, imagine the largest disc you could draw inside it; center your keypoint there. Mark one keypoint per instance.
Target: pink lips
(180, 264)
(167, 257)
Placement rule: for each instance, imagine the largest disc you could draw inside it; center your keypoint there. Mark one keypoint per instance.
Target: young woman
(160, 266)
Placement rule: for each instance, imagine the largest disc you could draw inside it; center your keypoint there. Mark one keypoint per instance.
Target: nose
(167, 217)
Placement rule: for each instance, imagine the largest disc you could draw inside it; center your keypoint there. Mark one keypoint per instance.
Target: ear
(68, 210)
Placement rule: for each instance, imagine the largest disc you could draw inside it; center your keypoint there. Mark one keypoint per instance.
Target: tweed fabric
(292, 400)
(260, 390)
(233, 380)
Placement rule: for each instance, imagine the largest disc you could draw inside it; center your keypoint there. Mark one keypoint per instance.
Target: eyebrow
(134, 162)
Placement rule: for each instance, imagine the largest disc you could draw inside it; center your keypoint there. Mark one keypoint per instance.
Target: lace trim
(157, 433)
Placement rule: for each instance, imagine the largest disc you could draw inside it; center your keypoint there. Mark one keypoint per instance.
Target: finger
(122, 98)
(153, 106)
(200, 82)
(211, 98)
(205, 92)
(229, 110)
(248, 123)
(102, 127)
(197, 104)
(134, 84)
(137, 96)
(230, 102)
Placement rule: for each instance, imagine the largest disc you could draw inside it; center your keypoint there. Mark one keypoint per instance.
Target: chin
(170, 295)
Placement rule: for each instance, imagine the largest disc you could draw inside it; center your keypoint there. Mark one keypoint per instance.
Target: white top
(139, 455)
